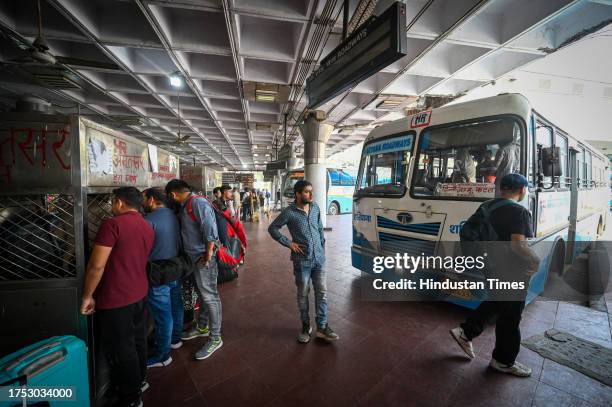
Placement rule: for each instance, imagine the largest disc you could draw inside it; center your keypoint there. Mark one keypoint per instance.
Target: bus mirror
(551, 164)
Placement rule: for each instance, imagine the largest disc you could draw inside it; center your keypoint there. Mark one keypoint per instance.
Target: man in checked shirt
(307, 244)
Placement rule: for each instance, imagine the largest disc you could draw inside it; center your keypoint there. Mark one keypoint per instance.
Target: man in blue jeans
(307, 244)
(200, 239)
(165, 301)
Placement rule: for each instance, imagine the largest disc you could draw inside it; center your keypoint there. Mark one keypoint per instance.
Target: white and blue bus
(340, 188)
(421, 177)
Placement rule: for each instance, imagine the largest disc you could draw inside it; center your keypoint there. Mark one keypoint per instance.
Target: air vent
(264, 126)
(56, 81)
(130, 120)
(265, 92)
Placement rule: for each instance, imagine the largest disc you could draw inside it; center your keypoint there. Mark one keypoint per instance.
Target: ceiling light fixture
(256, 155)
(176, 81)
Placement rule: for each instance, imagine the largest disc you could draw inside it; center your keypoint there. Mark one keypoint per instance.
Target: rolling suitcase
(54, 371)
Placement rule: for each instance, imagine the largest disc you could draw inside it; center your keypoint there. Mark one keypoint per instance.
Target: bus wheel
(557, 262)
(333, 209)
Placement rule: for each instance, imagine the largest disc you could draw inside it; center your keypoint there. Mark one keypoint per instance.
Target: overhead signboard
(276, 165)
(379, 42)
(284, 153)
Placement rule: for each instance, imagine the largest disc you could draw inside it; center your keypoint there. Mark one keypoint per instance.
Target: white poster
(100, 157)
(172, 163)
(153, 158)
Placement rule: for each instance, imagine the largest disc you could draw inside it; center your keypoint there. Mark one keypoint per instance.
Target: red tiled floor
(389, 354)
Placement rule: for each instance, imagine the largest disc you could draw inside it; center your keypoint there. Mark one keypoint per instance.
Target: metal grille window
(98, 209)
(37, 237)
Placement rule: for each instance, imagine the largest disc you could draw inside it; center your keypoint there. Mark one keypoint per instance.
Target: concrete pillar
(315, 135)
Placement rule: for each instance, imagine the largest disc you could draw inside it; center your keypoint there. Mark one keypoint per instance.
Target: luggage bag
(54, 368)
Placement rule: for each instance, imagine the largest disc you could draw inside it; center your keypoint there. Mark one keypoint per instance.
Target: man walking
(200, 238)
(307, 244)
(116, 286)
(165, 301)
(512, 223)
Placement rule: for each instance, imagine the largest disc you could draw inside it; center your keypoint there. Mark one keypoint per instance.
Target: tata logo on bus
(420, 120)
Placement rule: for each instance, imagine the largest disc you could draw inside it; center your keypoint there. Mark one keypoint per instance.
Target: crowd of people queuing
(162, 252)
(169, 259)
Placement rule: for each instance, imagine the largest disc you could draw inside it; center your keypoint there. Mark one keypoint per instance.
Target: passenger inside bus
(457, 160)
(486, 170)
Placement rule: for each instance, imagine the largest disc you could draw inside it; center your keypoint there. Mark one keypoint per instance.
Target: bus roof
(505, 103)
(509, 103)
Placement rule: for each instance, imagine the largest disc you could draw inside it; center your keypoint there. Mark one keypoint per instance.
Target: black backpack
(478, 227)
(477, 233)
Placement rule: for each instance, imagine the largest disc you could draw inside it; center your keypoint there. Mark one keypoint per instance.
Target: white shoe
(517, 369)
(176, 345)
(459, 336)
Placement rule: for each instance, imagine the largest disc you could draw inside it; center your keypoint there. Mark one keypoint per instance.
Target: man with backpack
(200, 240)
(501, 219)
(164, 299)
(307, 245)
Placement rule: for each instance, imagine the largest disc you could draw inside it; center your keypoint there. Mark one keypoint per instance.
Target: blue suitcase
(47, 368)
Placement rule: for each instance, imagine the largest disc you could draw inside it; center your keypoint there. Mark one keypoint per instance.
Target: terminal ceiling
(244, 63)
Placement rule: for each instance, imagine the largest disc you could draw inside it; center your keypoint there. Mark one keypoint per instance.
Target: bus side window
(561, 142)
(580, 160)
(589, 169)
(335, 177)
(544, 136)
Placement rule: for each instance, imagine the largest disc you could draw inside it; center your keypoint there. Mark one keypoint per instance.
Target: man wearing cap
(512, 223)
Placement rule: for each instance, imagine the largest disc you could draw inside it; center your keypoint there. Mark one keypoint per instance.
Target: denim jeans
(210, 309)
(166, 305)
(306, 271)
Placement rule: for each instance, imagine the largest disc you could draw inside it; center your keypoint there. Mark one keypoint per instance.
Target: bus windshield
(384, 166)
(465, 160)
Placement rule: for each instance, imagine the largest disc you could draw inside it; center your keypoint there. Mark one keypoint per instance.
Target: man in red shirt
(116, 286)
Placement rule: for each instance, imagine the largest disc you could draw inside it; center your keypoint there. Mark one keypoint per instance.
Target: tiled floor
(389, 354)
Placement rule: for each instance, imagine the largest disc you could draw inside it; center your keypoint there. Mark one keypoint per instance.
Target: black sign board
(276, 165)
(379, 42)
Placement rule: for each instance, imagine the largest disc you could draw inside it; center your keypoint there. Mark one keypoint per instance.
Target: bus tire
(334, 209)
(557, 260)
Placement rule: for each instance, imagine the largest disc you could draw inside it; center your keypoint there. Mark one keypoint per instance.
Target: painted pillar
(315, 135)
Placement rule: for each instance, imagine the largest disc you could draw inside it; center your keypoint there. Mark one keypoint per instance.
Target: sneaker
(194, 333)
(144, 386)
(304, 336)
(159, 362)
(327, 333)
(459, 336)
(176, 345)
(517, 369)
(208, 349)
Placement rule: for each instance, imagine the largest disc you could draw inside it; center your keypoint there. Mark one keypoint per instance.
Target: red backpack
(231, 235)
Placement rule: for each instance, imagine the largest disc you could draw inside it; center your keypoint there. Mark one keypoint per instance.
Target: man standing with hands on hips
(307, 244)
(200, 239)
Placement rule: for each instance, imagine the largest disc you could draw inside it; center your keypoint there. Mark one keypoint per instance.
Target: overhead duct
(32, 104)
